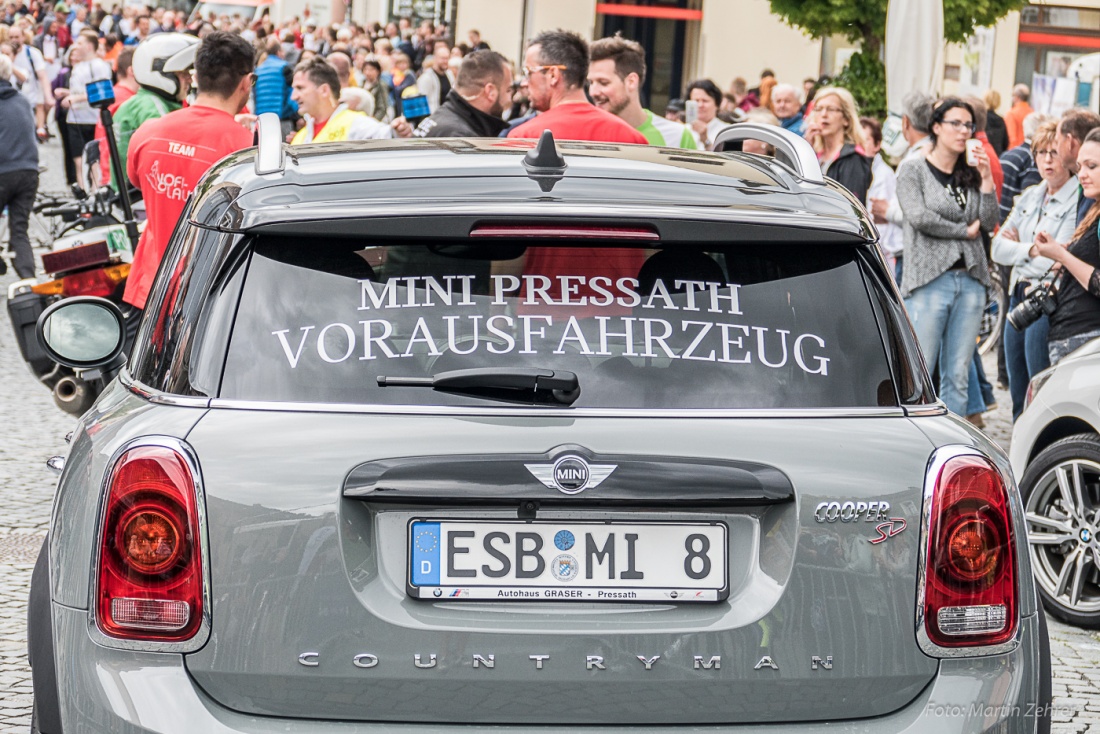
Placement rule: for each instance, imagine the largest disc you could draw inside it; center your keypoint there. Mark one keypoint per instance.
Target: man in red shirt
(556, 67)
(169, 155)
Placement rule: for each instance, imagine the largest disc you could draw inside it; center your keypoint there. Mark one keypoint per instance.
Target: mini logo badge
(564, 567)
(571, 474)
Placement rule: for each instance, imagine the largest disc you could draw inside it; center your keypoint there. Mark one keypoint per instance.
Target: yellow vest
(337, 128)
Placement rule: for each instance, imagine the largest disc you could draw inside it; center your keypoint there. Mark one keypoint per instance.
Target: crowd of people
(1031, 211)
(972, 187)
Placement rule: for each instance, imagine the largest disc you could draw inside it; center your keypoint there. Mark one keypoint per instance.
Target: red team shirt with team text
(166, 159)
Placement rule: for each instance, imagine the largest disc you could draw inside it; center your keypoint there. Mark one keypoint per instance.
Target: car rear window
(666, 327)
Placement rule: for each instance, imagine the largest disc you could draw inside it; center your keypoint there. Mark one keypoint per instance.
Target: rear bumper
(127, 692)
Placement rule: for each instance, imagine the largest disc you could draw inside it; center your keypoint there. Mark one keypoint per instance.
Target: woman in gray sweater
(947, 203)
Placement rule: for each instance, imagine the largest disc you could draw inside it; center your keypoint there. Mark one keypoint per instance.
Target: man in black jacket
(18, 169)
(482, 91)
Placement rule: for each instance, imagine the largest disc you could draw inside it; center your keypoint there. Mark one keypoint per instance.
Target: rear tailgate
(312, 617)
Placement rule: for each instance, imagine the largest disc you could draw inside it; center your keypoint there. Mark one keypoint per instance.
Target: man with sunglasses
(556, 67)
(169, 155)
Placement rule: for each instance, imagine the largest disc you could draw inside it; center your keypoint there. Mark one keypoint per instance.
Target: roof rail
(270, 154)
(795, 151)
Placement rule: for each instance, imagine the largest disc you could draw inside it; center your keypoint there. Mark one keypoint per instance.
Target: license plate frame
(560, 582)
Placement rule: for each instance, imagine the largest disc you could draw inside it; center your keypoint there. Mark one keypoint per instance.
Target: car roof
(342, 184)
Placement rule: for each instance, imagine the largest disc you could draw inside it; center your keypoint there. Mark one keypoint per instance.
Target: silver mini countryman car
(444, 434)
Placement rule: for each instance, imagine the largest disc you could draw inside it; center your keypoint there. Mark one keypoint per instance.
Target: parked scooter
(92, 259)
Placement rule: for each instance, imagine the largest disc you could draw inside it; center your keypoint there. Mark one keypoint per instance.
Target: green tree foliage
(865, 78)
(961, 17)
(860, 21)
(863, 22)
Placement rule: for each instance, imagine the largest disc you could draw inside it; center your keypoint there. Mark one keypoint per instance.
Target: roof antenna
(544, 163)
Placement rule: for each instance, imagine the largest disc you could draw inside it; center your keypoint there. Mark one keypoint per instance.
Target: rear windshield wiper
(512, 384)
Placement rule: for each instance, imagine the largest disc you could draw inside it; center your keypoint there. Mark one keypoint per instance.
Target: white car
(1056, 455)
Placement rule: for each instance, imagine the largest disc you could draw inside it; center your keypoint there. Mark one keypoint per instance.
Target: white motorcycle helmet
(159, 57)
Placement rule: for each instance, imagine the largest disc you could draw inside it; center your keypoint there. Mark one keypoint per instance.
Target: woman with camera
(1076, 316)
(947, 198)
(1050, 206)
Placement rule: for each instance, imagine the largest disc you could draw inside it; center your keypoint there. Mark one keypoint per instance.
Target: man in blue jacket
(271, 91)
(18, 169)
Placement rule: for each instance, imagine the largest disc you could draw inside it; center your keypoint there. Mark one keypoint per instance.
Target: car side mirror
(83, 332)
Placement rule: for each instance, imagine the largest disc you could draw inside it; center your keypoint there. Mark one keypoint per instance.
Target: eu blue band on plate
(426, 541)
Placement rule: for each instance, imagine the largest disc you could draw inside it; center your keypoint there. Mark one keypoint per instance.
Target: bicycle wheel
(43, 230)
(993, 317)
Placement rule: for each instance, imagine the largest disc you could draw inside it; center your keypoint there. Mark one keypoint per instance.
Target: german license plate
(567, 561)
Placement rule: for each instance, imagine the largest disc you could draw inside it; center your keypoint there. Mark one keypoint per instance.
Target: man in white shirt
(916, 123)
(437, 80)
(82, 117)
(80, 20)
(36, 86)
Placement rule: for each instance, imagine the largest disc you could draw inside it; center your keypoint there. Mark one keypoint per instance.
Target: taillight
(150, 584)
(970, 593)
(1036, 385)
(99, 282)
(570, 231)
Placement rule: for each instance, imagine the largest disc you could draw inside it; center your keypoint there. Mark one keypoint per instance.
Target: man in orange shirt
(169, 155)
(1014, 118)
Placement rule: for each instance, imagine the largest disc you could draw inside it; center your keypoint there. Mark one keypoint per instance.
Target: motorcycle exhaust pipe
(71, 394)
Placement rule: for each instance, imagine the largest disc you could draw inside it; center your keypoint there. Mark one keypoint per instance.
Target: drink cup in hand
(972, 147)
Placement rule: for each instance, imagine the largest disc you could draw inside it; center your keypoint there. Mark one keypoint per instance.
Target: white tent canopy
(914, 49)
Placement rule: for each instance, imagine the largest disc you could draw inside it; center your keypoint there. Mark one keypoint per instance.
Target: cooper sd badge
(571, 474)
(851, 512)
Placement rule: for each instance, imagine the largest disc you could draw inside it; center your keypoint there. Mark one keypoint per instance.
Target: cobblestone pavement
(33, 430)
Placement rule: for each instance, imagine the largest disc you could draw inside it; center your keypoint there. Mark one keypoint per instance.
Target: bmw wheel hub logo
(1086, 535)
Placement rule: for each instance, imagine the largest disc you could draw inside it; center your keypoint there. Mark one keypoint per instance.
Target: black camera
(1038, 300)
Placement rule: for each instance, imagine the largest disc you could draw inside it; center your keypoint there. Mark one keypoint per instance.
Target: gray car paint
(265, 471)
(117, 417)
(278, 593)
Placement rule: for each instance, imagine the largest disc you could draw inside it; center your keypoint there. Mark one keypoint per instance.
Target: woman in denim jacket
(1050, 206)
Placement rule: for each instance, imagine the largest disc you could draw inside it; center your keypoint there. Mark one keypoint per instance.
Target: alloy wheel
(1063, 521)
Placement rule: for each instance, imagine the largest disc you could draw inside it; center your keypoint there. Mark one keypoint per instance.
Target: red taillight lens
(970, 586)
(88, 283)
(150, 565)
(569, 231)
